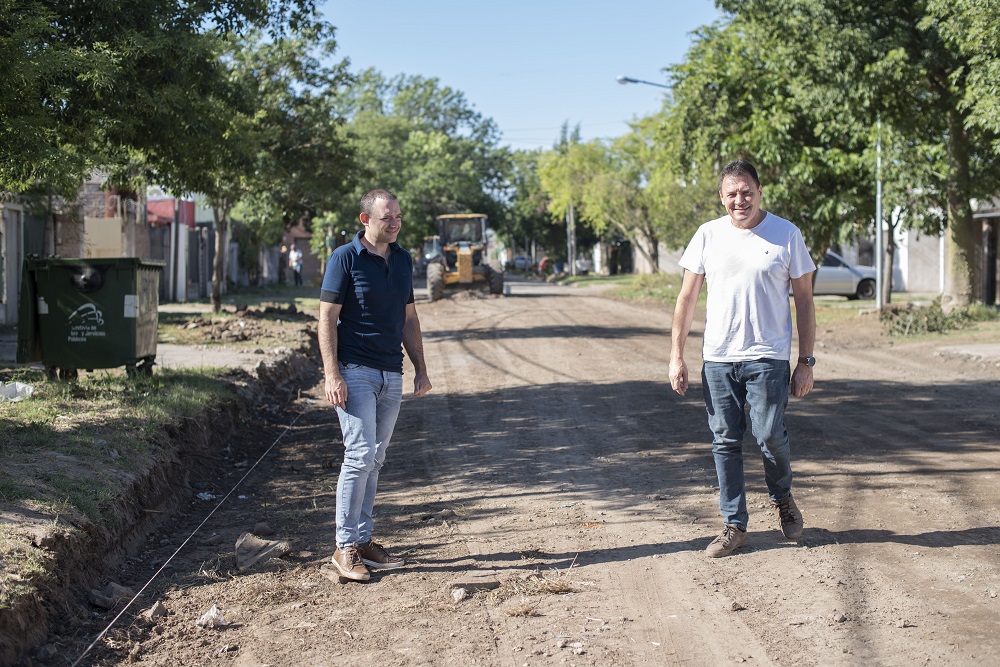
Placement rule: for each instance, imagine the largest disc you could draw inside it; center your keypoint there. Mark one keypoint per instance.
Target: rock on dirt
(110, 596)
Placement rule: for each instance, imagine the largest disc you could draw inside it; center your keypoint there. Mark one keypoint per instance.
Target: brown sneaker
(789, 517)
(348, 563)
(376, 557)
(732, 538)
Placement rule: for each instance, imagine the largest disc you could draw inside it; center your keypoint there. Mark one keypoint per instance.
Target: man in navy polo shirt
(366, 317)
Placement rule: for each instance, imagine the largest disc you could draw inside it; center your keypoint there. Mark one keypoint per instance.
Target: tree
(630, 188)
(972, 28)
(307, 163)
(424, 142)
(563, 174)
(528, 217)
(91, 84)
(812, 79)
(734, 96)
(283, 155)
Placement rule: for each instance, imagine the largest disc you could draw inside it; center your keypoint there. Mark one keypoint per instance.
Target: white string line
(183, 544)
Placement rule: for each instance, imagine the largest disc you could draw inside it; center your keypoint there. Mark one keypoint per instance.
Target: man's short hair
(372, 196)
(738, 168)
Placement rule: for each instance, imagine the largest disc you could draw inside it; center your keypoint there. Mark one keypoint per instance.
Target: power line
(183, 544)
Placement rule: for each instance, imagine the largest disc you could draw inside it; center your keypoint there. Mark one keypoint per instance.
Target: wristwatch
(808, 361)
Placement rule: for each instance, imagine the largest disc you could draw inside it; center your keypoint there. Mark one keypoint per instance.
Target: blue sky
(528, 65)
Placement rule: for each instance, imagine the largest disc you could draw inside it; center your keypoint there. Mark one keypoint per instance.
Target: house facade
(100, 223)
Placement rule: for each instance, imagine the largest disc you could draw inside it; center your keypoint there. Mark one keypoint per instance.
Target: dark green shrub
(910, 320)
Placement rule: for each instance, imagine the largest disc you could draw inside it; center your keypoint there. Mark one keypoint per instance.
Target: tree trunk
(654, 249)
(961, 239)
(221, 213)
(637, 238)
(890, 258)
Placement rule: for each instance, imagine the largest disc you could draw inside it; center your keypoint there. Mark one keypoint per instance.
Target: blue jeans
(729, 387)
(373, 399)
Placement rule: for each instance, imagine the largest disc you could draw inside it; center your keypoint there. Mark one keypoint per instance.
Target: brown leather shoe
(732, 538)
(348, 563)
(789, 517)
(376, 557)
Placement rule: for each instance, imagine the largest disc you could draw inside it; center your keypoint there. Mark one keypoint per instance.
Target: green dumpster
(89, 313)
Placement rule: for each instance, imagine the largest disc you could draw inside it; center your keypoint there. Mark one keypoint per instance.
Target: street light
(627, 79)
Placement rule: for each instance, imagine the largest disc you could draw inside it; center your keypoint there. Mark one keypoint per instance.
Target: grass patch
(832, 310)
(76, 443)
(516, 587)
(910, 320)
(656, 287)
(303, 298)
(662, 289)
(21, 564)
(592, 279)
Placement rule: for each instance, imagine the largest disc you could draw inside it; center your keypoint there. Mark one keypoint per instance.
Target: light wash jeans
(373, 399)
(729, 387)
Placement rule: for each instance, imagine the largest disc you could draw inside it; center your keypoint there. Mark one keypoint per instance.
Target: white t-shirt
(748, 273)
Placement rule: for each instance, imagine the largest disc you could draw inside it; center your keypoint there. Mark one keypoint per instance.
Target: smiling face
(383, 225)
(742, 196)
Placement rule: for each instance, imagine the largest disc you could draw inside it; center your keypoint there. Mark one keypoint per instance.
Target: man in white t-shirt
(749, 258)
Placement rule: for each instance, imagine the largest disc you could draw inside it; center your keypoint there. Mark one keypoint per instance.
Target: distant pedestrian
(295, 264)
(749, 259)
(366, 316)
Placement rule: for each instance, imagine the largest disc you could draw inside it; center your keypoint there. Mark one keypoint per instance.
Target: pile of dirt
(249, 324)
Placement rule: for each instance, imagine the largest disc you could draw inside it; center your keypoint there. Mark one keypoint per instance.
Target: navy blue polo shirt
(373, 294)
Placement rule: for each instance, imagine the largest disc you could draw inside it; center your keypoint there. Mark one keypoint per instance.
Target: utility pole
(879, 273)
(571, 239)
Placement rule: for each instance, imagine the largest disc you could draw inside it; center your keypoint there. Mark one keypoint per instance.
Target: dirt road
(553, 459)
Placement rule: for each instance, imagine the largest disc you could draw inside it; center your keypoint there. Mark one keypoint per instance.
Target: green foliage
(799, 86)
(913, 320)
(629, 188)
(303, 162)
(738, 95)
(424, 142)
(972, 28)
(528, 217)
(126, 86)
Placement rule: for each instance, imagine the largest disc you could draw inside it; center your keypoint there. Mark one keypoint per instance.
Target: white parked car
(839, 277)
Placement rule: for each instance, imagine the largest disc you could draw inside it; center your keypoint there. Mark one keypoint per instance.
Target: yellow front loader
(458, 255)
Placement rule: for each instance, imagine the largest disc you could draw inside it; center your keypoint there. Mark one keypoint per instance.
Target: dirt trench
(84, 555)
(553, 499)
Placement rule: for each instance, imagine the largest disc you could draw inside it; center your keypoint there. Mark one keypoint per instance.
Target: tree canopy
(94, 84)
(803, 87)
(424, 142)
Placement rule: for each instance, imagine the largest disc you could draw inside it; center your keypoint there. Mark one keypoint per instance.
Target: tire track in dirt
(568, 475)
